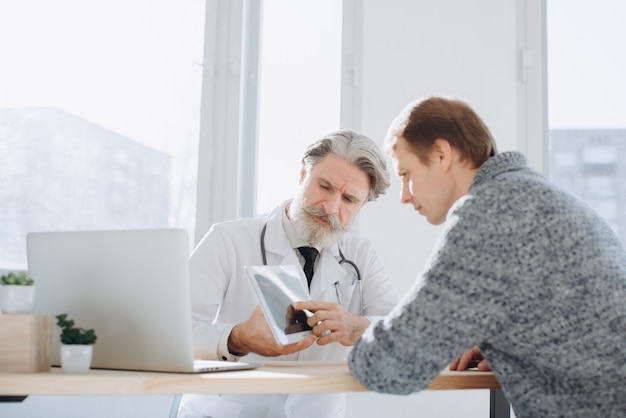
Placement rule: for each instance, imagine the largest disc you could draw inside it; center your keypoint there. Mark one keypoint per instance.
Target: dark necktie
(309, 254)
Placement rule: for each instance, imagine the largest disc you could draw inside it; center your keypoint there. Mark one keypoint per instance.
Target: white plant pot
(76, 358)
(17, 299)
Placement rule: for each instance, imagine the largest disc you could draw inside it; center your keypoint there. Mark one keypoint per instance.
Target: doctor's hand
(332, 323)
(254, 336)
(470, 359)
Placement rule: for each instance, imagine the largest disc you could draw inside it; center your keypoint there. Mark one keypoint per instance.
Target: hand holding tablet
(277, 288)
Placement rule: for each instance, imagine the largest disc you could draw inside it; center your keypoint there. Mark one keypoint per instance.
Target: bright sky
(587, 63)
(127, 65)
(300, 90)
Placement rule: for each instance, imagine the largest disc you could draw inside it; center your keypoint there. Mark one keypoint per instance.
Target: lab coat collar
(277, 246)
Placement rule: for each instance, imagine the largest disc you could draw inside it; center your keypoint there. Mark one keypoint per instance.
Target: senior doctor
(349, 286)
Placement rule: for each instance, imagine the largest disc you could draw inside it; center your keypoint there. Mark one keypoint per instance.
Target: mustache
(335, 224)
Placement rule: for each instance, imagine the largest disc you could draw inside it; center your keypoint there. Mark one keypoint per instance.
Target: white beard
(321, 236)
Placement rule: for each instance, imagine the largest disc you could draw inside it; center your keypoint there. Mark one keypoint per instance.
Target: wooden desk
(282, 378)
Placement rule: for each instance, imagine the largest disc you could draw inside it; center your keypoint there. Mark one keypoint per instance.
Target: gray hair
(356, 149)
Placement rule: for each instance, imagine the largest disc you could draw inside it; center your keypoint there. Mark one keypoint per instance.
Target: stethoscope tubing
(342, 261)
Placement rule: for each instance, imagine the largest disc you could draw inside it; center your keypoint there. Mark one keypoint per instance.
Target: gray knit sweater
(536, 279)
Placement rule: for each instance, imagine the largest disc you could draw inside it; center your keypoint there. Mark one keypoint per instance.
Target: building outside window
(99, 109)
(587, 103)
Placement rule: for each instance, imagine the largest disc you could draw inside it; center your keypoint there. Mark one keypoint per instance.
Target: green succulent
(20, 279)
(74, 335)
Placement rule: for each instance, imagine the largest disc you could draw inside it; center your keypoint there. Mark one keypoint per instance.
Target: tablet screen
(277, 288)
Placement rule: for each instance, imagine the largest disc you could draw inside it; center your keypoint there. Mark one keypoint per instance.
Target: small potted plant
(17, 293)
(76, 346)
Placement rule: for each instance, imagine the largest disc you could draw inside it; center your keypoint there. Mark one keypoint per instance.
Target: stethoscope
(336, 284)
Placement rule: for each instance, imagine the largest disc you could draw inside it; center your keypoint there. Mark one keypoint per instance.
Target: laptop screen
(130, 286)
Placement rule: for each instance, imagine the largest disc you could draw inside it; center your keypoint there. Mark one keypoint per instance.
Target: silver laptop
(131, 287)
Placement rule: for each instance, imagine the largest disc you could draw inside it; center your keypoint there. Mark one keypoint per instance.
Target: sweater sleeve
(441, 316)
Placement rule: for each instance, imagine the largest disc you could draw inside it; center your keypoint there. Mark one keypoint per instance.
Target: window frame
(532, 117)
(228, 142)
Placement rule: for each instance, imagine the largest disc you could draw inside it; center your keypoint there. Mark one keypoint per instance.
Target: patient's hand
(333, 323)
(472, 358)
(296, 321)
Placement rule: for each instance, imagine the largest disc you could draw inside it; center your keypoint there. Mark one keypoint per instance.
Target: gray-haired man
(339, 174)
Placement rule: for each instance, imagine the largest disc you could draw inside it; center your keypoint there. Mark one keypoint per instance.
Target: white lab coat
(222, 296)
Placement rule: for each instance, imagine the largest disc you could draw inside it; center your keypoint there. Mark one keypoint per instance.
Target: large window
(300, 89)
(587, 102)
(99, 108)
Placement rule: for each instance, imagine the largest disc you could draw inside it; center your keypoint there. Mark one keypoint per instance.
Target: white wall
(415, 48)
(88, 407)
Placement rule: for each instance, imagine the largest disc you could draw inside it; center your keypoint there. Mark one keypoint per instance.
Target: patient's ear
(443, 153)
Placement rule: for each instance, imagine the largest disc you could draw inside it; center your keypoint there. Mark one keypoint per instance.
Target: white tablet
(277, 288)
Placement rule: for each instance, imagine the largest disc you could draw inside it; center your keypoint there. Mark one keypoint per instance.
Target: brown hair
(427, 119)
